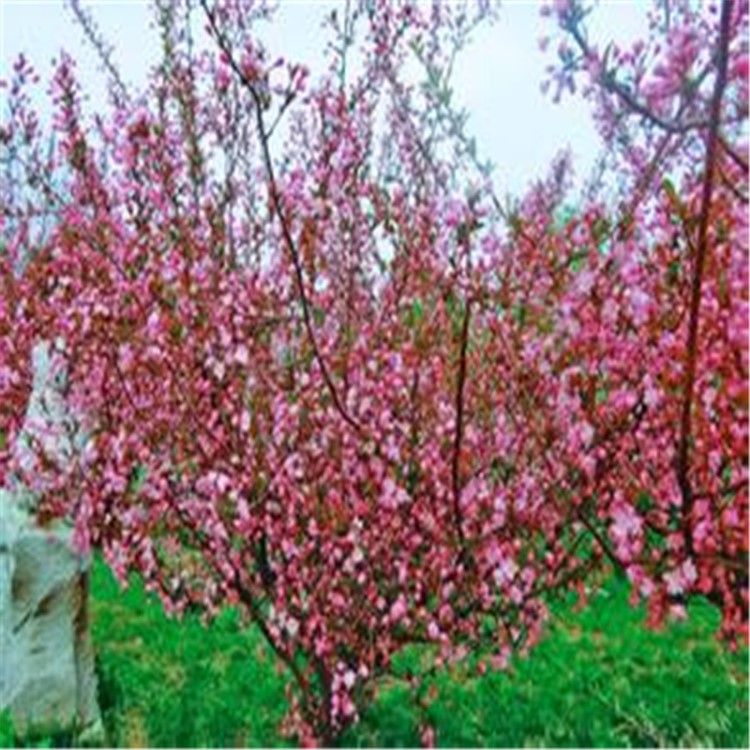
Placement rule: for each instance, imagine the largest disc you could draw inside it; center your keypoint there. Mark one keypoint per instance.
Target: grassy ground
(598, 679)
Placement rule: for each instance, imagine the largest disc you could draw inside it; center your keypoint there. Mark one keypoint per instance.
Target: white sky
(497, 79)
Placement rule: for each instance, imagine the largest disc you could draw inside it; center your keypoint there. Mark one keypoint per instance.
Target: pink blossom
(398, 610)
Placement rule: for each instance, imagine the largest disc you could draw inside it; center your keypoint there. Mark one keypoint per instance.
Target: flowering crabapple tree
(317, 370)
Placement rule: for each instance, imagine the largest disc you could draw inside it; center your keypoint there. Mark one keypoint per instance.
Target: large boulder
(47, 676)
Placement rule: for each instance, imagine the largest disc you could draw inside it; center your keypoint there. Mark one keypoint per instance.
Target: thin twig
(258, 104)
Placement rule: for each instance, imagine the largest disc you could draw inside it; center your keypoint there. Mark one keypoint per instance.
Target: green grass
(170, 683)
(599, 678)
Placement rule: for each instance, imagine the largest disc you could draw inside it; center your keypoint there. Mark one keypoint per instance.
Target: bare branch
(683, 451)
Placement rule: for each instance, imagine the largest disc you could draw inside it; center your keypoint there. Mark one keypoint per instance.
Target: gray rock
(47, 676)
(48, 423)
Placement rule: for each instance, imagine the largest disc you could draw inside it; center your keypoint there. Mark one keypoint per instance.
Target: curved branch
(683, 451)
(259, 104)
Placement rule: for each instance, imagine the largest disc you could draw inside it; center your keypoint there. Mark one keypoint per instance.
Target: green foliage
(49, 736)
(599, 678)
(6, 729)
(45, 738)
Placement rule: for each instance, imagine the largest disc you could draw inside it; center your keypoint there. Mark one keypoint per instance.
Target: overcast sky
(497, 79)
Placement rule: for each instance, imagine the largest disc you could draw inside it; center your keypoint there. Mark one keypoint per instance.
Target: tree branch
(458, 436)
(683, 452)
(278, 210)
